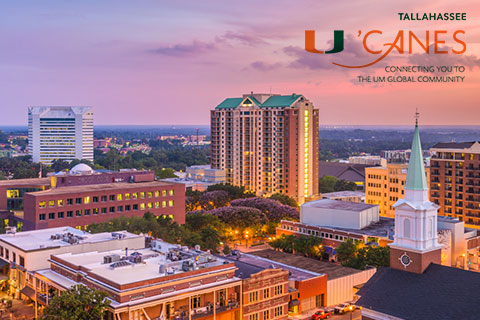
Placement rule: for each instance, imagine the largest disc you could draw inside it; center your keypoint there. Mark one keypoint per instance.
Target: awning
(29, 292)
(3, 263)
(328, 249)
(293, 303)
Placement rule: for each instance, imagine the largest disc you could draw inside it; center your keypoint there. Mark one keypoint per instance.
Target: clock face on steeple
(405, 259)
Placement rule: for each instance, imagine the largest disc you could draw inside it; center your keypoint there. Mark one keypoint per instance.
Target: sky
(170, 62)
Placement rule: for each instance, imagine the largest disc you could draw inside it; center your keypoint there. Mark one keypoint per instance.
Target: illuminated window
(142, 206)
(60, 203)
(134, 195)
(142, 195)
(164, 193)
(170, 203)
(13, 194)
(86, 200)
(157, 205)
(164, 204)
(149, 194)
(51, 203)
(149, 205)
(127, 196)
(119, 197)
(157, 194)
(41, 204)
(170, 192)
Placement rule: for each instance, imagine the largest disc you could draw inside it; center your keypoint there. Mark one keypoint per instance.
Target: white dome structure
(81, 168)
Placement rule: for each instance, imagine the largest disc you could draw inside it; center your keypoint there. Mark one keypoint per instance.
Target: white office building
(60, 133)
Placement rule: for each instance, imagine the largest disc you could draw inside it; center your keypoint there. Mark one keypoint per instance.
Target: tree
(234, 192)
(239, 218)
(284, 199)
(226, 250)
(77, 303)
(354, 255)
(326, 184)
(214, 199)
(59, 165)
(273, 210)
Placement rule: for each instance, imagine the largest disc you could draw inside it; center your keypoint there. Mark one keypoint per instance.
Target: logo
(404, 43)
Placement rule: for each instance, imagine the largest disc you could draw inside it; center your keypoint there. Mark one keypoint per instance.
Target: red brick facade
(419, 261)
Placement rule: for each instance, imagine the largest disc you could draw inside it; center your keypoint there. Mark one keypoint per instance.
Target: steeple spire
(416, 179)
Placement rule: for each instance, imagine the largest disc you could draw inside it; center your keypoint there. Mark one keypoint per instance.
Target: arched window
(406, 228)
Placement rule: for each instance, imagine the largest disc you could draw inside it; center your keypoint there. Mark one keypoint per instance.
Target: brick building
(455, 180)
(267, 143)
(84, 196)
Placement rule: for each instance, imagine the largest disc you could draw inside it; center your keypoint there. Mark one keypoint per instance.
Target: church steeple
(415, 243)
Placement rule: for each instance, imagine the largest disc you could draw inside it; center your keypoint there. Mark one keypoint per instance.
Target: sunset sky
(170, 62)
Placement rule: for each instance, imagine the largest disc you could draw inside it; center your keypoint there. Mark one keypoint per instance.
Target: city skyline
(149, 59)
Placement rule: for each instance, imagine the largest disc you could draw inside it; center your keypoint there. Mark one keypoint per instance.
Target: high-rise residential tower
(64, 133)
(267, 143)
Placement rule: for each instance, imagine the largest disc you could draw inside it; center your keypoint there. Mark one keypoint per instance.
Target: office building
(199, 178)
(385, 185)
(455, 180)
(64, 133)
(84, 196)
(267, 143)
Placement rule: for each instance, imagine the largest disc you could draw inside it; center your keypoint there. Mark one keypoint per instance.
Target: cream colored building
(385, 185)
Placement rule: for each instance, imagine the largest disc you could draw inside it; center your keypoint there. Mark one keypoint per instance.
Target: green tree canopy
(77, 303)
(284, 199)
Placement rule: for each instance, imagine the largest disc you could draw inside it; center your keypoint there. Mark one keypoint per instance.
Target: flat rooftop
(25, 182)
(249, 264)
(102, 187)
(124, 271)
(377, 229)
(343, 194)
(338, 205)
(42, 239)
(332, 270)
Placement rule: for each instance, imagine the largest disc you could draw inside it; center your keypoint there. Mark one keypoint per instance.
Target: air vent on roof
(111, 258)
(118, 264)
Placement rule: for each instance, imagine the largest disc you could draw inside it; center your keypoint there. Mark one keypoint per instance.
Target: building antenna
(417, 115)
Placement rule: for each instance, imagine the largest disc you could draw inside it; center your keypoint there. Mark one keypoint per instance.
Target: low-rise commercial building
(23, 252)
(348, 196)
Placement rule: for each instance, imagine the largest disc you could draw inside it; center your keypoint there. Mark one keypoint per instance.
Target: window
(266, 293)
(95, 211)
(157, 194)
(69, 202)
(60, 215)
(95, 199)
(69, 214)
(112, 209)
(142, 195)
(142, 206)
(253, 296)
(51, 215)
(253, 316)
(127, 196)
(406, 228)
(112, 197)
(14, 257)
(104, 210)
(41, 204)
(104, 198)
(22, 261)
(170, 192)
(119, 197)
(42, 216)
(135, 207)
(87, 212)
(78, 200)
(164, 204)
(7, 254)
(157, 205)
(170, 203)
(120, 208)
(78, 213)
(127, 207)
(86, 200)
(1, 251)
(60, 203)
(164, 193)
(278, 290)
(149, 194)
(195, 302)
(149, 205)
(278, 311)
(51, 203)
(134, 195)
(266, 314)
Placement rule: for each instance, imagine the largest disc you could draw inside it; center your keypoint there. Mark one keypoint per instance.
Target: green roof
(272, 102)
(416, 179)
(229, 103)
